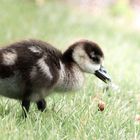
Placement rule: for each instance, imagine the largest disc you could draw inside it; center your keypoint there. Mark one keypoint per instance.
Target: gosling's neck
(71, 77)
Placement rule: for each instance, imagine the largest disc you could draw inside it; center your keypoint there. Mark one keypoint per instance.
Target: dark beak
(102, 74)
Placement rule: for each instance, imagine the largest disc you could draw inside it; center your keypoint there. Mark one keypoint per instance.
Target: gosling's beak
(102, 74)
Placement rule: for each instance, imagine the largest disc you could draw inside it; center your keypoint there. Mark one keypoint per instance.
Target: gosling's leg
(25, 100)
(25, 107)
(41, 105)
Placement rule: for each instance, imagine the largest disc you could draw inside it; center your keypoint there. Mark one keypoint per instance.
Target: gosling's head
(89, 57)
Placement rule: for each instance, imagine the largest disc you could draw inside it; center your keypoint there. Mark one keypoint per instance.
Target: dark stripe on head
(93, 47)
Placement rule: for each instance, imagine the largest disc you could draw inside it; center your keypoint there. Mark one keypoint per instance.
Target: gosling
(32, 69)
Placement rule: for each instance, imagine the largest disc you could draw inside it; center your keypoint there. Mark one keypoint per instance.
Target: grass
(75, 116)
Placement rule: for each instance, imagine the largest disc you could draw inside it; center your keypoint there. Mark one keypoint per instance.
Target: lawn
(75, 116)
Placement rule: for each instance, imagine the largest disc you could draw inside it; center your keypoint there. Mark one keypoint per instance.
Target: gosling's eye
(95, 59)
